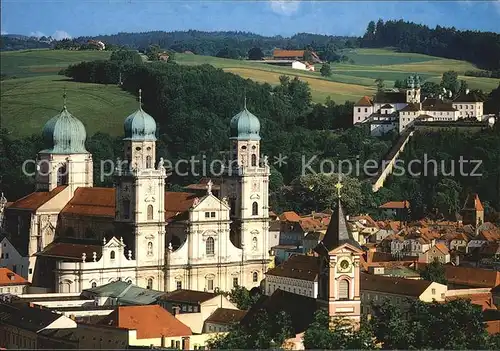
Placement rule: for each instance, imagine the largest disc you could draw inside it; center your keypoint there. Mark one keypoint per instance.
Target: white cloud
(37, 34)
(284, 7)
(60, 34)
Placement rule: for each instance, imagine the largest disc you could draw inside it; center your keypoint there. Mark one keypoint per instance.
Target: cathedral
(76, 236)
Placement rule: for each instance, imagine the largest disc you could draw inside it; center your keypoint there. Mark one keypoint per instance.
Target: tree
(255, 54)
(308, 57)
(380, 84)
(434, 272)
(449, 81)
(430, 89)
(399, 84)
(338, 333)
(326, 70)
(242, 297)
(153, 53)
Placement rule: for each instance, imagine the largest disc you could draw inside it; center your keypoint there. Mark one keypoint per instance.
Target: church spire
(140, 99)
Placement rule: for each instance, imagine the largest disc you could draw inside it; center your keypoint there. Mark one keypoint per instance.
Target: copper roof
(392, 285)
(226, 316)
(150, 321)
(71, 251)
(297, 267)
(189, 296)
(34, 200)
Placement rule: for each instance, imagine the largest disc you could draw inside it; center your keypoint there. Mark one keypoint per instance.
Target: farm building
(302, 66)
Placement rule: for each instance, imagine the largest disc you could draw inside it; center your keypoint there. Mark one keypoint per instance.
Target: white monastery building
(74, 236)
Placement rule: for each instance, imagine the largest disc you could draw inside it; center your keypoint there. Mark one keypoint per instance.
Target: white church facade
(77, 236)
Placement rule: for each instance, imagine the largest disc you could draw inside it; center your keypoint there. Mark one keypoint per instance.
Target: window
(62, 176)
(112, 255)
(150, 212)
(178, 285)
(126, 209)
(94, 284)
(30, 271)
(150, 283)
(254, 244)
(210, 246)
(207, 214)
(212, 214)
(210, 284)
(148, 161)
(433, 291)
(255, 277)
(359, 109)
(255, 209)
(254, 160)
(235, 282)
(343, 290)
(150, 249)
(366, 109)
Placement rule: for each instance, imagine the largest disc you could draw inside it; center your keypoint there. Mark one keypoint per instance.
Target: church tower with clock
(245, 185)
(339, 281)
(140, 196)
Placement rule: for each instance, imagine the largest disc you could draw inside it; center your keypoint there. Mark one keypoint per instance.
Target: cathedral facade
(77, 236)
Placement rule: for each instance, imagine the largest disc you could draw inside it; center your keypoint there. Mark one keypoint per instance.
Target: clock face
(344, 266)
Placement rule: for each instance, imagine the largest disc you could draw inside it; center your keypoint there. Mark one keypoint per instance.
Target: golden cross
(338, 186)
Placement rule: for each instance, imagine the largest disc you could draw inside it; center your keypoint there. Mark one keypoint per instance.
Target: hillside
(27, 63)
(351, 81)
(27, 103)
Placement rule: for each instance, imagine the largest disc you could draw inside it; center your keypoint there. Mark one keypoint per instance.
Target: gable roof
(387, 106)
(442, 247)
(290, 216)
(127, 294)
(297, 267)
(35, 200)
(393, 285)
(365, 101)
(189, 296)
(226, 316)
(25, 317)
(150, 321)
(337, 233)
(395, 204)
(473, 203)
(71, 250)
(470, 97)
(288, 53)
(7, 277)
(411, 107)
(92, 202)
(473, 277)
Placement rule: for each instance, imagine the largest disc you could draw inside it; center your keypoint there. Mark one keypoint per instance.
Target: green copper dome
(140, 126)
(245, 126)
(64, 134)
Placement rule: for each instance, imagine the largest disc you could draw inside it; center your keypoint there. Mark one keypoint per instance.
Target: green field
(27, 103)
(351, 81)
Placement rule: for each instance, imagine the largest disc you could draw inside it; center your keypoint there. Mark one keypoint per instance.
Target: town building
(77, 236)
(12, 259)
(12, 283)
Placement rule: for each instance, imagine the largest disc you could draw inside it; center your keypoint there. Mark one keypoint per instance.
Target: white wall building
(12, 259)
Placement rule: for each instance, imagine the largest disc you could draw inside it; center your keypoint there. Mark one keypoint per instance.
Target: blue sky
(74, 18)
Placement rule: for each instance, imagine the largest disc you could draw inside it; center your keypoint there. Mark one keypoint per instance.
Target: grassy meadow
(35, 95)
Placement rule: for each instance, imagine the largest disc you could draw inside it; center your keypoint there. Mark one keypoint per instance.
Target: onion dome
(64, 134)
(245, 126)
(140, 126)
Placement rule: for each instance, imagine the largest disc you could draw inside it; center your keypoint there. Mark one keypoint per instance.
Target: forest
(480, 48)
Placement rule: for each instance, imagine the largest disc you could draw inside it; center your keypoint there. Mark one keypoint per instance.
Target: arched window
(210, 246)
(94, 284)
(255, 209)
(62, 176)
(255, 277)
(150, 212)
(150, 248)
(148, 161)
(126, 209)
(343, 289)
(254, 243)
(254, 160)
(112, 255)
(150, 283)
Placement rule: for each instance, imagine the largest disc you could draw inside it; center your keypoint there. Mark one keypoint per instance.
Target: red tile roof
(473, 202)
(395, 204)
(472, 277)
(364, 101)
(290, 216)
(391, 285)
(92, 202)
(442, 247)
(226, 316)
(34, 200)
(7, 277)
(485, 300)
(150, 321)
(177, 203)
(288, 53)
